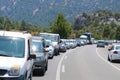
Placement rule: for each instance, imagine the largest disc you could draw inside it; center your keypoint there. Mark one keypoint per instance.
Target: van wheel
(108, 58)
(30, 77)
(24, 77)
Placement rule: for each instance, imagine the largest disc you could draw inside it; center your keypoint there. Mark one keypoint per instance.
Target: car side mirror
(32, 56)
(60, 41)
(47, 46)
(45, 50)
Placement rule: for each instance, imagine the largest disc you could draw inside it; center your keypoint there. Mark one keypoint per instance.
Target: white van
(16, 60)
(55, 38)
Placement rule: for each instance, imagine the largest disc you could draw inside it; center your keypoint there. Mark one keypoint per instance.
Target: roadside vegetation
(103, 25)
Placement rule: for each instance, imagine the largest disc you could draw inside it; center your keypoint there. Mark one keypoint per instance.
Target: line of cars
(22, 55)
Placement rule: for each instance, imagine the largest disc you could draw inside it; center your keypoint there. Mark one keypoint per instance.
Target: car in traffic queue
(50, 49)
(114, 53)
(16, 58)
(100, 44)
(63, 47)
(41, 62)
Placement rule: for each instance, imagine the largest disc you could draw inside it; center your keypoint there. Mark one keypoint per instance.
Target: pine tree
(61, 26)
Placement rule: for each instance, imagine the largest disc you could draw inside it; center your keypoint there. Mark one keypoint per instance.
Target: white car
(114, 53)
(50, 49)
(16, 60)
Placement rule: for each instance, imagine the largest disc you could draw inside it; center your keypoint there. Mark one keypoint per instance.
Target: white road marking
(107, 61)
(59, 67)
(63, 68)
(65, 57)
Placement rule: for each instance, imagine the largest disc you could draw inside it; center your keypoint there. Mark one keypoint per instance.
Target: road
(82, 63)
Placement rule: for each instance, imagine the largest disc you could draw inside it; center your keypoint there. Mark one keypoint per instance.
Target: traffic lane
(84, 64)
(52, 68)
(103, 54)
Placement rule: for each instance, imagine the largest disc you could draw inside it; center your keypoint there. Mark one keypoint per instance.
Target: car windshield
(12, 47)
(101, 42)
(37, 47)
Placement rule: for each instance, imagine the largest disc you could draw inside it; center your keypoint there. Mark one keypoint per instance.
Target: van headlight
(14, 71)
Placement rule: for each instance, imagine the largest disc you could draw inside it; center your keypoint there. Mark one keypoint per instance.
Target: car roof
(37, 38)
(15, 34)
(116, 45)
(50, 34)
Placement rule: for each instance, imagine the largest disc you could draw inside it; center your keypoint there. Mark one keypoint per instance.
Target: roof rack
(25, 32)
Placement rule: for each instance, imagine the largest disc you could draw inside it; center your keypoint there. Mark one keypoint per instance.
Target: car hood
(49, 48)
(8, 62)
(54, 43)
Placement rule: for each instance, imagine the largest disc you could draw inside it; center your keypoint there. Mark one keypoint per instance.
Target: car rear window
(117, 47)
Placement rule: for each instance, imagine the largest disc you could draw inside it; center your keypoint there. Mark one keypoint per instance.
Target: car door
(29, 60)
(110, 51)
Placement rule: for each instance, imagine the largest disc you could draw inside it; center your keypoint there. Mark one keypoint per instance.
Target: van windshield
(50, 37)
(12, 47)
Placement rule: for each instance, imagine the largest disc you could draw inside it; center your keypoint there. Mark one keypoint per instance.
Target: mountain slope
(42, 12)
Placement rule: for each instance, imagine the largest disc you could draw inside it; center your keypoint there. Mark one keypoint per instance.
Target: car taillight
(115, 52)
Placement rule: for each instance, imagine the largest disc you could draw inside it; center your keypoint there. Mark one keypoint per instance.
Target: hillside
(42, 12)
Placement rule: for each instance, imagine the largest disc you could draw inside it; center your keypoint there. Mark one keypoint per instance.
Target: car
(63, 47)
(114, 53)
(50, 49)
(67, 43)
(100, 44)
(41, 62)
(16, 58)
(78, 42)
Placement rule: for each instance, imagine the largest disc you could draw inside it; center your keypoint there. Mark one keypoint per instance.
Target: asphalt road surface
(82, 63)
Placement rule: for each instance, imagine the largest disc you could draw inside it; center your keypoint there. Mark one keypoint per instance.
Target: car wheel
(46, 67)
(24, 77)
(51, 57)
(43, 71)
(108, 58)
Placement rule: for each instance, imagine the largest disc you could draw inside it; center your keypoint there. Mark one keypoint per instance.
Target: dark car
(41, 61)
(100, 44)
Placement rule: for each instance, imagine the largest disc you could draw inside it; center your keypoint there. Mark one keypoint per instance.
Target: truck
(84, 39)
(89, 37)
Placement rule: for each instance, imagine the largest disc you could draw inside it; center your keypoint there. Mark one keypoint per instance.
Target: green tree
(118, 33)
(7, 24)
(106, 32)
(61, 26)
(1, 23)
(23, 25)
